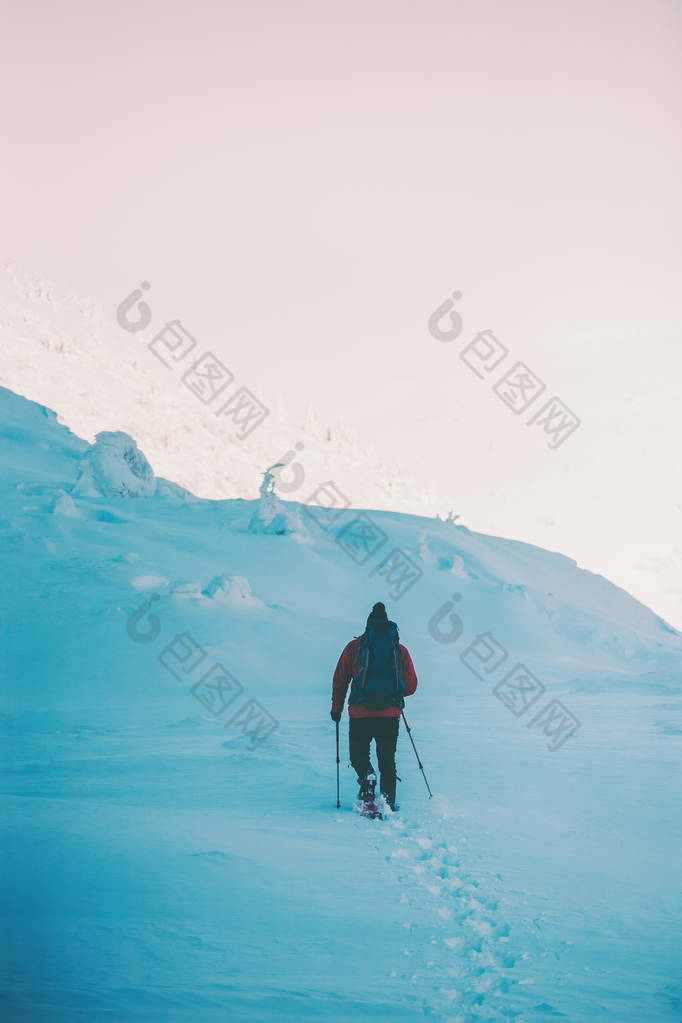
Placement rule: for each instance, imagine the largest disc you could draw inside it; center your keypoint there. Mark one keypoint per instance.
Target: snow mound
(168, 489)
(230, 589)
(64, 507)
(149, 582)
(115, 467)
(273, 518)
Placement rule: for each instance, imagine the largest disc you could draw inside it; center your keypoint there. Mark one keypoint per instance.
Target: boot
(388, 787)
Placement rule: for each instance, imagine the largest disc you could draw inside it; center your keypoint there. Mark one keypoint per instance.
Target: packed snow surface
(171, 844)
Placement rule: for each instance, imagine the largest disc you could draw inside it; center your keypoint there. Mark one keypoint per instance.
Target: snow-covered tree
(312, 423)
(270, 515)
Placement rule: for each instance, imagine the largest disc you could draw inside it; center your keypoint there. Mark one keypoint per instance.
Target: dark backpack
(378, 671)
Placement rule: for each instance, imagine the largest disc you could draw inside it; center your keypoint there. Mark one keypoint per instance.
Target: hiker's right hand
(336, 715)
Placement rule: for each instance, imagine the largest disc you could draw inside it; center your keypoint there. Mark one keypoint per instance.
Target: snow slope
(159, 862)
(69, 354)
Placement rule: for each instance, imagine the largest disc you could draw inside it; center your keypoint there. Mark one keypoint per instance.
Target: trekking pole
(421, 766)
(338, 802)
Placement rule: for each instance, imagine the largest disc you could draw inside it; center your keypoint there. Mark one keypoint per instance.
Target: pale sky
(304, 183)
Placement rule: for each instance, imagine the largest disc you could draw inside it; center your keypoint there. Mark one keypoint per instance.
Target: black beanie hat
(378, 613)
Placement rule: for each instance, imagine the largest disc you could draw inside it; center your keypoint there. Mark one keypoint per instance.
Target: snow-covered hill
(172, 849)
(70, 355)
(67, 353)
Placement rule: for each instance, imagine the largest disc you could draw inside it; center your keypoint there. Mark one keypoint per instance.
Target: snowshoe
(370, 810)
(378, 809)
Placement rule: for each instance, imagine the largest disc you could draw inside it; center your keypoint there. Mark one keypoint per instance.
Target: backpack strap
(361, 661)
(399, 674)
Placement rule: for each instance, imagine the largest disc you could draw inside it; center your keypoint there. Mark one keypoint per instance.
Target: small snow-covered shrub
(114, 467)
(271, 516)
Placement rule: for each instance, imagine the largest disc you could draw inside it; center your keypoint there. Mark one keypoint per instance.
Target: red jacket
(344, 674)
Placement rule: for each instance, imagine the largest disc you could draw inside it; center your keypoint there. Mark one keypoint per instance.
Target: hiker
(382, 673)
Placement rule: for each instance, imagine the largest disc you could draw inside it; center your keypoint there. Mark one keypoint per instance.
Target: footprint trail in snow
(461, 953)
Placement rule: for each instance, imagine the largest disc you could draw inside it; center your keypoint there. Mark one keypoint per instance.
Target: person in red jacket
(382, 674)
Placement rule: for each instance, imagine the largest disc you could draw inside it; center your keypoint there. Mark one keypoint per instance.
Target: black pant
(385, 731)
